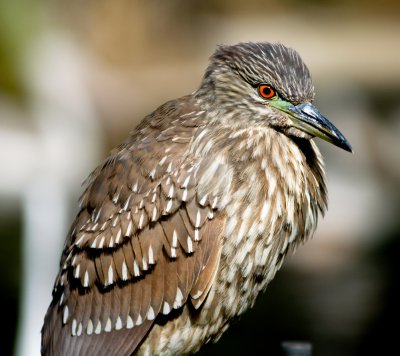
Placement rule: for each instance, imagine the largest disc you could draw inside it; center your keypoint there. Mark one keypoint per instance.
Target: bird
(188, 220)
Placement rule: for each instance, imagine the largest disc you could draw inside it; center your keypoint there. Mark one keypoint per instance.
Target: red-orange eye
(266, 91)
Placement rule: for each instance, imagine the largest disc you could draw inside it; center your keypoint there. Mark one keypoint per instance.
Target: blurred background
(76, 76)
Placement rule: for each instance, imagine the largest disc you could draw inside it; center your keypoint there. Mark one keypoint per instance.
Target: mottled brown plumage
(189, 219)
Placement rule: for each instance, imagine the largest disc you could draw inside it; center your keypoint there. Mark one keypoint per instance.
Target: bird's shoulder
(147, 177)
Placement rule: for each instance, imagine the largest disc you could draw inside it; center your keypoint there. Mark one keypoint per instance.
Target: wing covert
(142, 243)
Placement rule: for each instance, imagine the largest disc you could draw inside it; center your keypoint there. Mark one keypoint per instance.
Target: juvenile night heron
(189, 219)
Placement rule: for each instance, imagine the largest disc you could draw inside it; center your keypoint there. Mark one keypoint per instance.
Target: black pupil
(267, 91)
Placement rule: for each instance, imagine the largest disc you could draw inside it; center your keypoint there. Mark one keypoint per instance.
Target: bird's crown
(264, 62)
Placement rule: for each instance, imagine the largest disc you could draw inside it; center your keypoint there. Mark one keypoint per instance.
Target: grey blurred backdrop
(77, 76)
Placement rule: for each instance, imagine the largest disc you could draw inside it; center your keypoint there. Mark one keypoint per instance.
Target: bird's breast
(269, 207)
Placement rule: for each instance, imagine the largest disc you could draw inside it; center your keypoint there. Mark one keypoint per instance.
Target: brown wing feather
(211, 257)
(61, 342)
(140, 245)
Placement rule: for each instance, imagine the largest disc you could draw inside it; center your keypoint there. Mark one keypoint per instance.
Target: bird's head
(266, 84)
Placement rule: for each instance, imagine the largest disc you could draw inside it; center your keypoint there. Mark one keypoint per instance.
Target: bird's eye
(266, 91)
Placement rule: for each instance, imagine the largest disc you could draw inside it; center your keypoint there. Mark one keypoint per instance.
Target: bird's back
(139, 245)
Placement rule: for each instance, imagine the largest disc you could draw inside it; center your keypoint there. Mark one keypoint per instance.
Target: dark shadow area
(10, 265)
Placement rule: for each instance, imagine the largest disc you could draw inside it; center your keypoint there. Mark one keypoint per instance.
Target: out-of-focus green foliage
(19, 22)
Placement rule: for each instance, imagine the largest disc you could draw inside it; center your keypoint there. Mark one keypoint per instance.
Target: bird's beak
(307, 118)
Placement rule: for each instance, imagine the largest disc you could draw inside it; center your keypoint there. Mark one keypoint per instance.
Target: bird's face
(267, 84)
